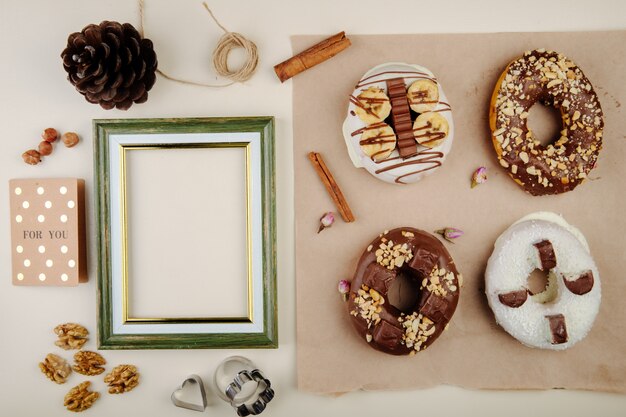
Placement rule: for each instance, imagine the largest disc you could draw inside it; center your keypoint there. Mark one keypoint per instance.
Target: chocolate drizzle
(369, 127)
(434, 136)
(405, 74)
(376, 140)
(358, 103)
(446, 107)
(431, 158)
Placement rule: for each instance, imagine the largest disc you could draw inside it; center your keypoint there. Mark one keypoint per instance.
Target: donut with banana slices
(399, 125)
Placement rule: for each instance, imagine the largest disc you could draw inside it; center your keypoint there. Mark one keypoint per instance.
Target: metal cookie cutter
(240, 383)
(199, 402)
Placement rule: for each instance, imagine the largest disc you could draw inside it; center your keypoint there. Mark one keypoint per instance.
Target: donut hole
(404, 292)
(542, 286)
(545, 122)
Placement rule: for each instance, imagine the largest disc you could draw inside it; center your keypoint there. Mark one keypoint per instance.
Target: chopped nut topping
(392, 256)
(582, 118)
(417, 329)
(369, 302)
(524, 157)
(435, 282)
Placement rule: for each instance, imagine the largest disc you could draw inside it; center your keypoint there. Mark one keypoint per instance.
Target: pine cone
(110, 64)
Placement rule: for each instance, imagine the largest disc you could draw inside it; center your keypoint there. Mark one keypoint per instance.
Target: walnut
(71, 336)
(55, 368)
(122, 378)
(80, 398)
(88, 363)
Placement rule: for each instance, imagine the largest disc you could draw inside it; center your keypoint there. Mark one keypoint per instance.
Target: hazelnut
(70, 139)
(50, 135)
(31, 157)
(45, 148)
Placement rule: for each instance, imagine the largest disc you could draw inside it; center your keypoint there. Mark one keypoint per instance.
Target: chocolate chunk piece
(401, 117)
(423, 262)
(379, 278)
(546, 255)
(513, 299)
(435, 308)
(387, 335)
(581, 285)
(558, 329)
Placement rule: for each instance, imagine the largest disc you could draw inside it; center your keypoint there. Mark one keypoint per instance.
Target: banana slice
(423, 96)
(430, 129)
(378, 141)
(372, 105)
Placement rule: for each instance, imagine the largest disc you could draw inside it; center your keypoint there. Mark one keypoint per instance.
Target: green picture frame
(114, 139)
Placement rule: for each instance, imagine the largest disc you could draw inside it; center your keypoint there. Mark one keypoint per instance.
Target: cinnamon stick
(331, 186)
(316, 54)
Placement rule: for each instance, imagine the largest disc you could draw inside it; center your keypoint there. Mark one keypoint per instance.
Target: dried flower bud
(70, 139)
(326, 220)
(479, 176)
(344, 288)
(450, 233)
(50, 135)
(31, 157)
(45, 148)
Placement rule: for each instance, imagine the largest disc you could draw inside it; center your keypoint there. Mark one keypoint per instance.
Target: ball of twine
(228, 42)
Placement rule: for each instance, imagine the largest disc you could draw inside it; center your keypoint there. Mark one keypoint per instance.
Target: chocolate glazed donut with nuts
(422, 258)
(553, 80)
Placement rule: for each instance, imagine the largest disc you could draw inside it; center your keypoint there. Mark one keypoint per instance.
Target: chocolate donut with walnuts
(422, 258)
(553, 80)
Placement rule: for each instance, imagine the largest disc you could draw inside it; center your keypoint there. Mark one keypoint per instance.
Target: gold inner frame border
(123, 149)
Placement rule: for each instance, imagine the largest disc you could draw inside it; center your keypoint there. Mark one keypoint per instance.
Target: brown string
(228, 42)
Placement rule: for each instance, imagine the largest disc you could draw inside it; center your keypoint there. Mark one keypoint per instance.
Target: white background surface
(34, 94)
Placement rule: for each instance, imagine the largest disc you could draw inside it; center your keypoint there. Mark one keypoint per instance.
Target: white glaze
(514, 258)
(352, 123)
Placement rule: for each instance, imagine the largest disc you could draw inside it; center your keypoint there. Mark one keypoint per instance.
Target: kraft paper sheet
(474, 352)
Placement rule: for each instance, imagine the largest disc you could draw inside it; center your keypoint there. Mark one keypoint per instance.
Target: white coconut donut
(429, 147)
(564, 312)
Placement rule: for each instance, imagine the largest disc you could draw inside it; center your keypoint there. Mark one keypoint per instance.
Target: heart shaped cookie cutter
(191, 380)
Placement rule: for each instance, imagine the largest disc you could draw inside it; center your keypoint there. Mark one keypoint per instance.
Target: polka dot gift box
(48, 231)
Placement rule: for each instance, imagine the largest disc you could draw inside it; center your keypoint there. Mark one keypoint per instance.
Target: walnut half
(55, 368)
(80, 398)
(122, 378)
(71, 336)
(88, 363)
